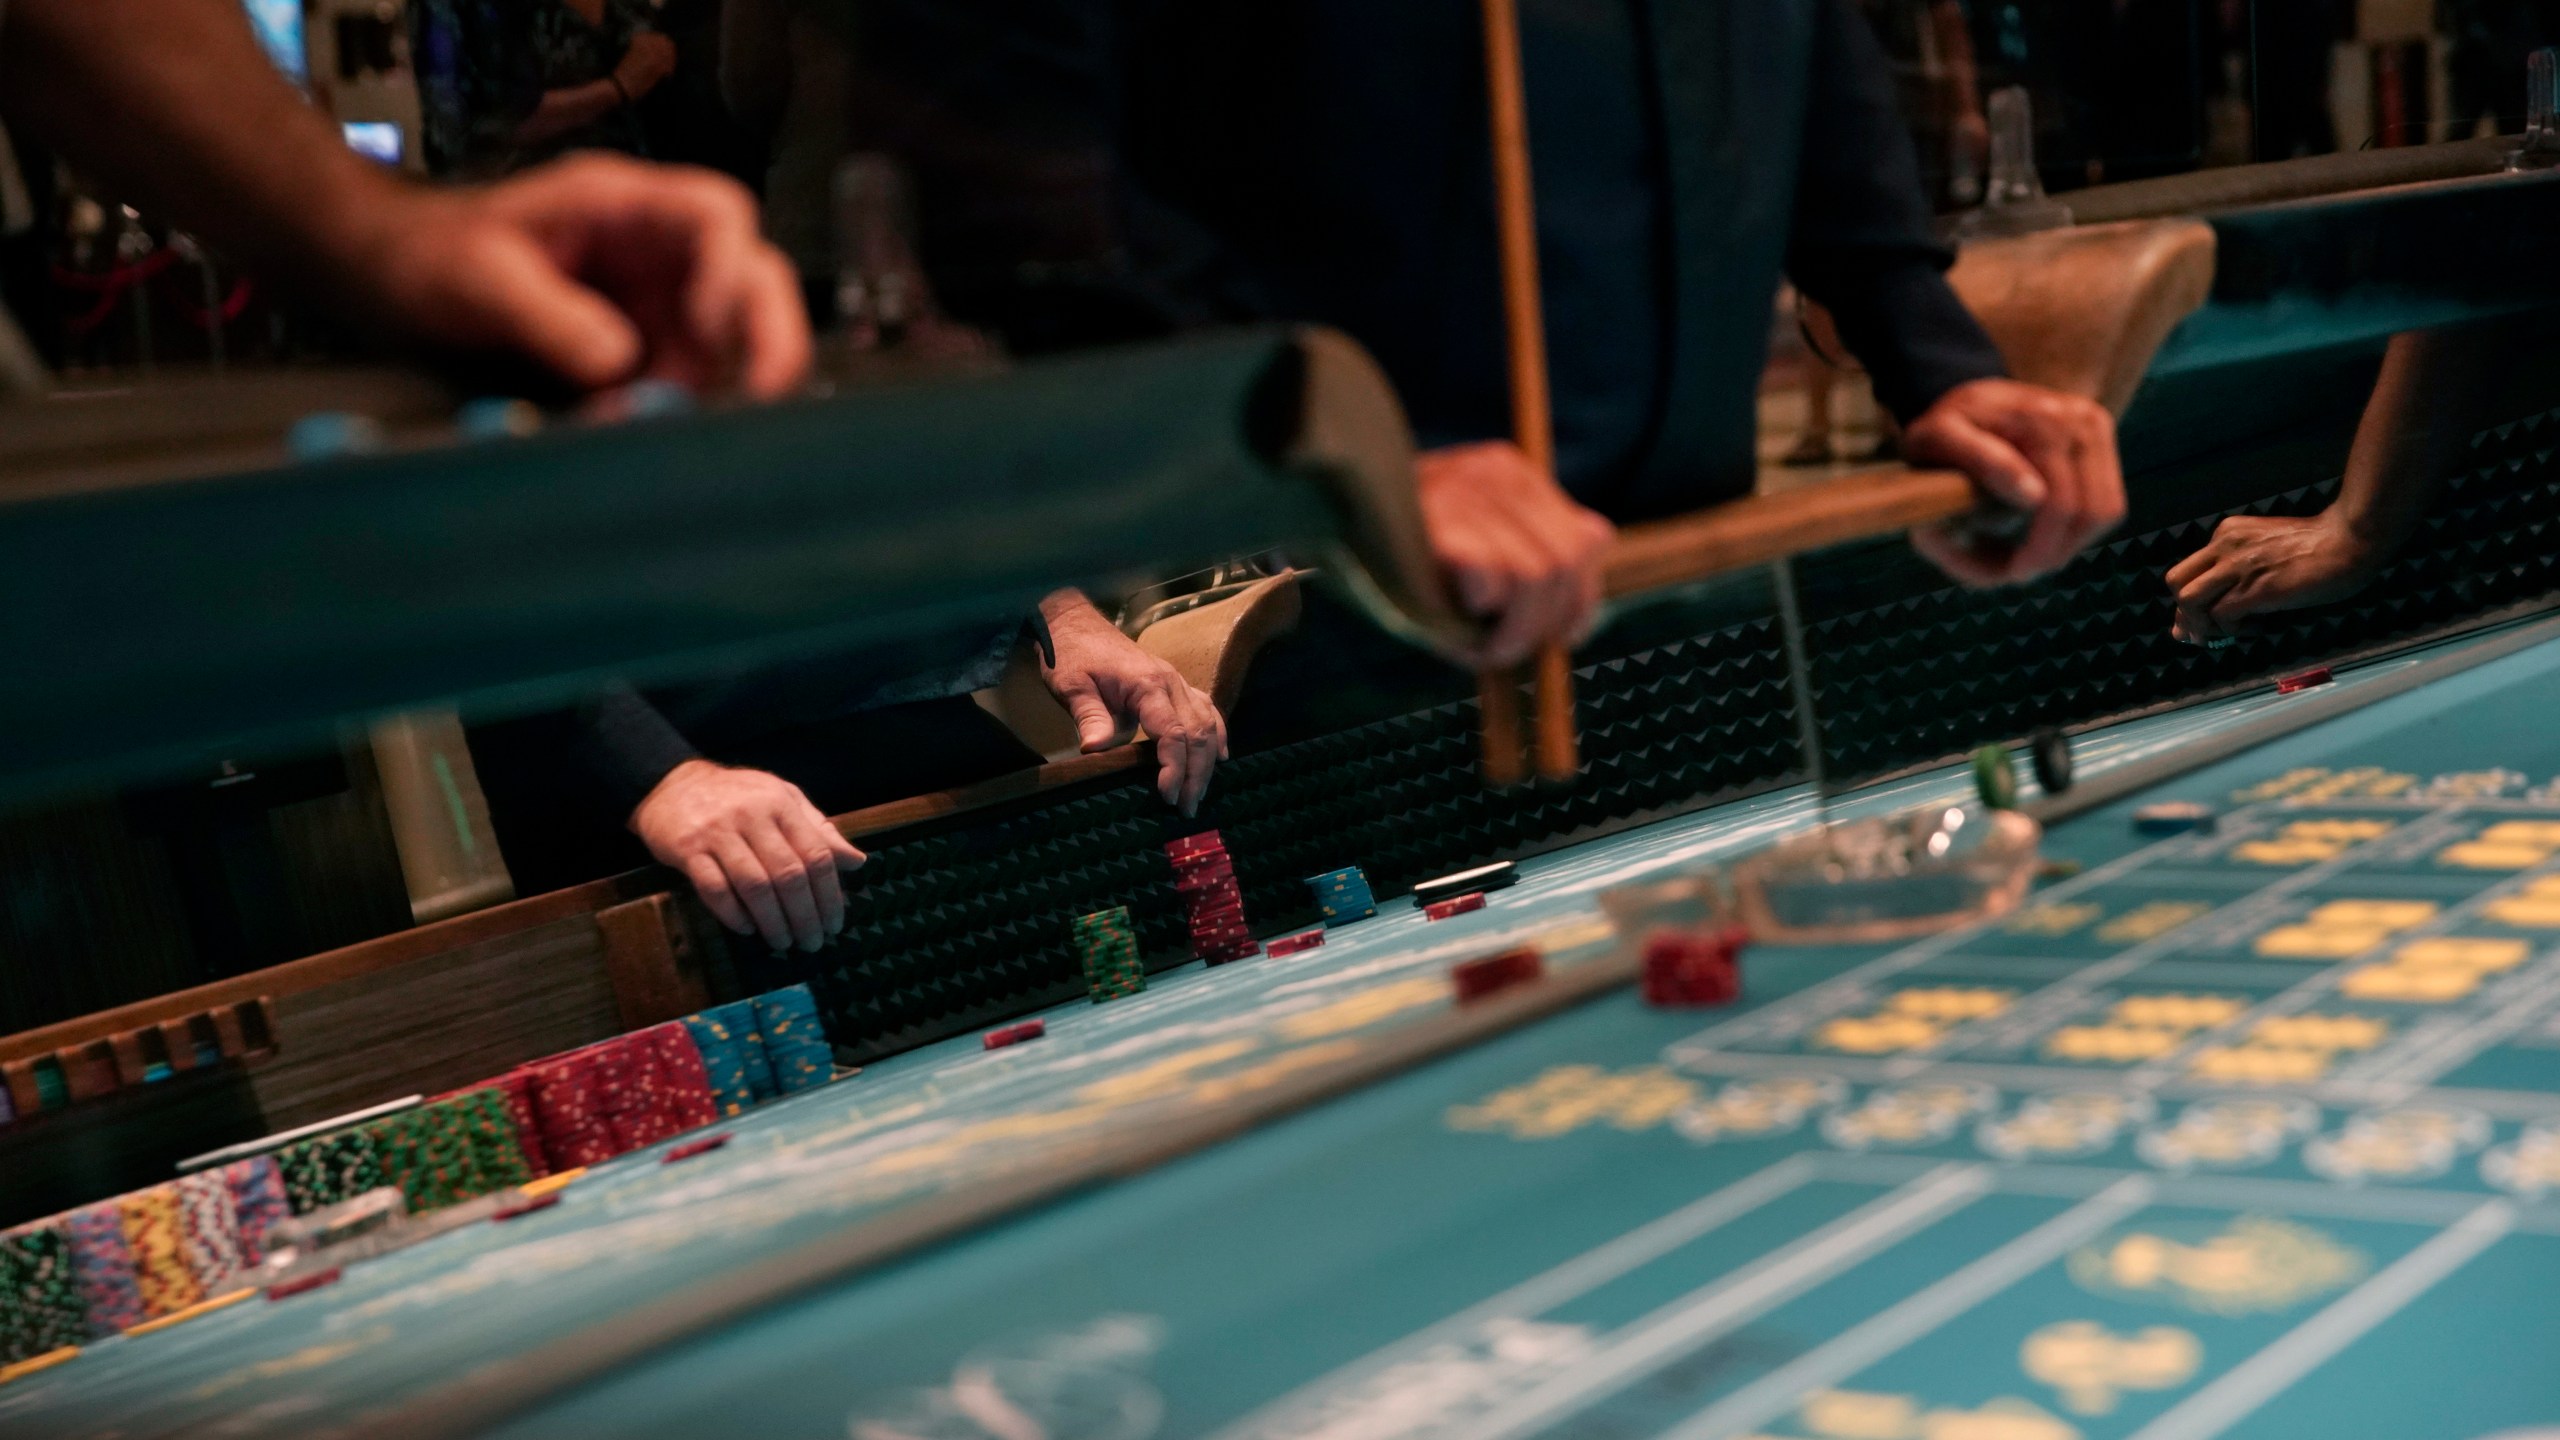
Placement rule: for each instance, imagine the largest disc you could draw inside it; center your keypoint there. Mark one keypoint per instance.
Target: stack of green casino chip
(40, 1305)
(329, 1168)
(489, 1129)
(1107, 947)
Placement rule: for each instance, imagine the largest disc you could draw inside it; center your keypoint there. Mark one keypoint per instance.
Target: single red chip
(702, 1146)
(300, 1283)
(1292, 944)
(1476, 979)
(526, 1206)
(1454, 905)
(1004, 1035)
(2292, 684)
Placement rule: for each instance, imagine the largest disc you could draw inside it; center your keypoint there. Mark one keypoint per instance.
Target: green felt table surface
(2129, 1163)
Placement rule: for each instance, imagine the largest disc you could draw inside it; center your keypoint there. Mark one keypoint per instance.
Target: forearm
(171, 105)
(568, 108)
(2415, 426)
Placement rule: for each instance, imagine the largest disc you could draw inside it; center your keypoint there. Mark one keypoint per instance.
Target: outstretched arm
(595, 269)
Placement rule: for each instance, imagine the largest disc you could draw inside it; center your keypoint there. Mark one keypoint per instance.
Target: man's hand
(1521, 555)
(2255, 564)
(758, 853)
(2049, 454)
(1111, 686)
(650, 58)
(598, 268)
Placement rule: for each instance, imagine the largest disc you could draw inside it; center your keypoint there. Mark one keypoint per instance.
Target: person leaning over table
(1100, 170)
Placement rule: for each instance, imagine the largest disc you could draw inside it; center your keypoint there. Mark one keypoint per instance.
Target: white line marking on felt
(2253, 1382)
(1578, 1276)
(1736, 1298)
(1887, 1331)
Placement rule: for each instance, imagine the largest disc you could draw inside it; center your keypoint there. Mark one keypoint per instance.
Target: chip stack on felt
(1206, 879)
(489, 1132)
(102, 1263)
(795, 1044)
(723, 1051)
(1693, 967)
(151, 1228)
(326, 1169)
(1107, 947)
(40, 1304)
(676, 1071)
(1343, 895)
(208, 1229)
(569, 1108)
(257, 1202)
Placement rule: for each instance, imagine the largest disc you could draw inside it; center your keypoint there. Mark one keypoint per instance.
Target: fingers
(815, 842)
(1097, 729)
(2198, 602)
(712, 884)
(649, 233)
(791, 887)
(1205, 744)
(1992, 462)
(2071, 442)
(529, 305)
(753, 886)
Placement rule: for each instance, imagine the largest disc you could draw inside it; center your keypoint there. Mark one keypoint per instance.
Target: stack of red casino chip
(568, 1107)
(517, 1086)
(1206, 880)
(690, 1103)
(637, 1092)
(1694, 967)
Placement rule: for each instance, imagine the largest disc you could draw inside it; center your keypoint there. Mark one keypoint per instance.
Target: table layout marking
(1736, 1298)
(1880, 1335)
(2234, 1394)
(1545, 1291)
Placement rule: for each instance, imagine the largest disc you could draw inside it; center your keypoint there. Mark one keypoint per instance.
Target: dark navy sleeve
(629, 745)
(1862, 244)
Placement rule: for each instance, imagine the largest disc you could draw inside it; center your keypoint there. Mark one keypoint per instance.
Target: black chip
(1483, 877)
(2049, 751)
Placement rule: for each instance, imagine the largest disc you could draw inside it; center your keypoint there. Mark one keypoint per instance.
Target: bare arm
(571, 107)
(172, 106)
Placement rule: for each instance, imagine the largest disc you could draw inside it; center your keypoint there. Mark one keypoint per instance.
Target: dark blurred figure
(1929, 44)
(2487, 45)
(685, 118)
(509, 83)
(2288, 43)
(2117, 85)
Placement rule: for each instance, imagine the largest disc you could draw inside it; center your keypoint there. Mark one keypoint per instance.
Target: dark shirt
(1096, 170)
(483, 66)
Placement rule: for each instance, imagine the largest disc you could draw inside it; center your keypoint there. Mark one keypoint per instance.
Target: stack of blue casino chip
(724, 1054)
(794, 1043)
(1343, 895)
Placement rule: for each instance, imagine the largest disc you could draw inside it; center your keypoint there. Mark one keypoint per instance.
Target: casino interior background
(218, 866)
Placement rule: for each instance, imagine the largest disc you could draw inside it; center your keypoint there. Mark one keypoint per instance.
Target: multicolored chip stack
(151, 1229)
(208, 1229)
(1206, 879)
(326, 1169)
(1693, 967)
(103, 1264)
(257, 1203)
(1343, 895)
(40, 1306)
(1106, 944)
(795, 1043)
